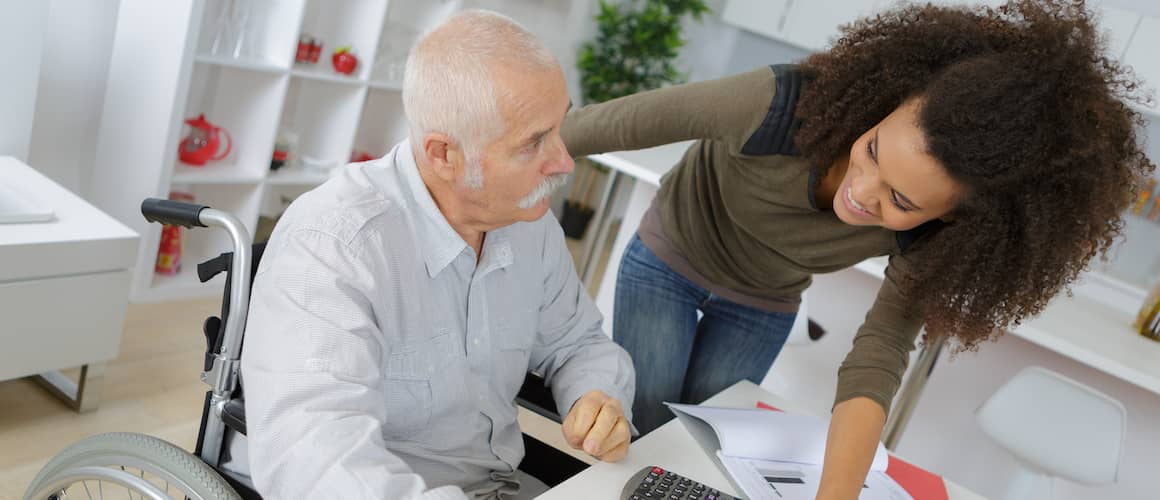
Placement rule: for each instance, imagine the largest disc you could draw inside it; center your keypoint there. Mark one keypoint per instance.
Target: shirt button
(476, 341)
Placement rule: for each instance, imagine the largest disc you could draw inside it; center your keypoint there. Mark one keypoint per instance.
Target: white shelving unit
(164, 71)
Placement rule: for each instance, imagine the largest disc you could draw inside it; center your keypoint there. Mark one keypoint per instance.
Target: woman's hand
(855, 429)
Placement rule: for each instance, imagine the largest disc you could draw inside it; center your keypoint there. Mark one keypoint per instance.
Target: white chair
(1055, 427)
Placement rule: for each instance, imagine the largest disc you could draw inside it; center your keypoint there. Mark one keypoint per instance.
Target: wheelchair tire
(125, 451)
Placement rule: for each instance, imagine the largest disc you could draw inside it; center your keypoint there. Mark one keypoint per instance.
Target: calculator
(655, 482)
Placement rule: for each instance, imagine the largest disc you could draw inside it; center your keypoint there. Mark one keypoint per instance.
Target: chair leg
(1027, 484)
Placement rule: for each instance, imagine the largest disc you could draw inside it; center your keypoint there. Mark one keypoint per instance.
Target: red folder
(920, 483)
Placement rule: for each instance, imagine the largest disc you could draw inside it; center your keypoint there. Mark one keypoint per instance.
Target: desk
(64, 287)
(672, 448)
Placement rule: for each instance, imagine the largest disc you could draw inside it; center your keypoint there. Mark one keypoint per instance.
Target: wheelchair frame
(223, 408)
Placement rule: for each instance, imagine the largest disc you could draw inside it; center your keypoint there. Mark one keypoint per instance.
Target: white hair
(449, 86)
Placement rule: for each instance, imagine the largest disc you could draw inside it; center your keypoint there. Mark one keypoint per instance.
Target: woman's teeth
(849, 196)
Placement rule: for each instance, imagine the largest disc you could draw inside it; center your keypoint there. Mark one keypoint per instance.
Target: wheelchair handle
(174, 213)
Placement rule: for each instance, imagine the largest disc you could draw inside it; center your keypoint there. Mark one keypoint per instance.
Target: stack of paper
(18, 208)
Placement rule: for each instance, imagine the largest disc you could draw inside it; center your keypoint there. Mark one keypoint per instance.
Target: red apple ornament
(344, 61)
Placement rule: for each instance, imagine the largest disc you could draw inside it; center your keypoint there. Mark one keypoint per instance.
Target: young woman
(988, 152)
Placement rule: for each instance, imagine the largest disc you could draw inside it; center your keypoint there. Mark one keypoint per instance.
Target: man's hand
(597, 425)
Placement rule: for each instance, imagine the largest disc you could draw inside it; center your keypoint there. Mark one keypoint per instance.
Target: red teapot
(203, 142)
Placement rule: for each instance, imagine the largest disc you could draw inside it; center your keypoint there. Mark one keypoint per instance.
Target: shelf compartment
(339, 23)
(244, 103)
(325, 117)
(270, 38)
(201, 244)
(382, 124)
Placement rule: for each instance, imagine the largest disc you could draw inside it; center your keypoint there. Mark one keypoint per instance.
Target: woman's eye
(894, 199)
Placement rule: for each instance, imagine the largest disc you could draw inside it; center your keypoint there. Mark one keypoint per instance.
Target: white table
(64, 287)
(671, 447)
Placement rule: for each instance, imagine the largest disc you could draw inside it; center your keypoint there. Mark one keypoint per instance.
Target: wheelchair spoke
(87, 492)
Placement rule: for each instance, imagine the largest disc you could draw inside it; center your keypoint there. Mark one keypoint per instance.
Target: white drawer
(55, 323)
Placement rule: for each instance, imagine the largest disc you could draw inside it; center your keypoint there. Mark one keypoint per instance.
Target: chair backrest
(1057, 426)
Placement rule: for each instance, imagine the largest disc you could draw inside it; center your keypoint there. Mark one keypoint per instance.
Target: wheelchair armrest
(234, 415)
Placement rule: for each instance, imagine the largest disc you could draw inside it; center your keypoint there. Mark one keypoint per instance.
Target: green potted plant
(635, 49)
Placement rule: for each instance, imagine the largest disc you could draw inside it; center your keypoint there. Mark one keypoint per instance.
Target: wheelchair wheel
(128, 465)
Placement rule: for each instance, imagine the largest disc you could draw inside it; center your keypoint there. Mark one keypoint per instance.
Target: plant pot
(575, 219)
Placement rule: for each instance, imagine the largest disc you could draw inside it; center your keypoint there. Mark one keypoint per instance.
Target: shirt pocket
(513, 353)
(408, 372)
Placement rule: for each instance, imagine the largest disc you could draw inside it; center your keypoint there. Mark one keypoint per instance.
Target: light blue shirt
(382, 362)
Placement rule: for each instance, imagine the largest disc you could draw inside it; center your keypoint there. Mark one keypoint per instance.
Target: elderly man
(399, 305)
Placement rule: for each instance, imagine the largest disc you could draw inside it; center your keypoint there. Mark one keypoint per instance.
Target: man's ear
(443, 155)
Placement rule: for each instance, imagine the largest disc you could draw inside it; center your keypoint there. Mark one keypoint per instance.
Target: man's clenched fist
(597, 425)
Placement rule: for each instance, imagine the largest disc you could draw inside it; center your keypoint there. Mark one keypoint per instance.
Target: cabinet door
(1117, 26)
(813, 24)
(764, 17)
(1141, 55)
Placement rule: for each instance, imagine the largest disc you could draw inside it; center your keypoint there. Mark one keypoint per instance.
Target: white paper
(19, 208)
(770, 435)
(770, 480)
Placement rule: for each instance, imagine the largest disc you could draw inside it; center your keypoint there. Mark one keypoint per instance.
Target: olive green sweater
(739, 218)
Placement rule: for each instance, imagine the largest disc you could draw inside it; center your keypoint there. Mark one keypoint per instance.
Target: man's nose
(563, 164)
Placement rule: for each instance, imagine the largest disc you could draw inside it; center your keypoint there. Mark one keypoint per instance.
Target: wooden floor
(152, 387)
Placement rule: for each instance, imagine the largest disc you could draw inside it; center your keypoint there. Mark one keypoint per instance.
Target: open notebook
(775, 455)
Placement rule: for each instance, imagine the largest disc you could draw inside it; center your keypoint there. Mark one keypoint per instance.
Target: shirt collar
(437, 239)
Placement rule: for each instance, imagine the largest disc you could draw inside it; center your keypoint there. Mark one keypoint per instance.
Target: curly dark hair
(1022, 107)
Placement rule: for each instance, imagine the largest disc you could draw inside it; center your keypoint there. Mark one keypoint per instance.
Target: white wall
(78, 41)
(21, 32)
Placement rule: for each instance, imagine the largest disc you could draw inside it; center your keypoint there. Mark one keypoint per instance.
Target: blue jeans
(680, 359)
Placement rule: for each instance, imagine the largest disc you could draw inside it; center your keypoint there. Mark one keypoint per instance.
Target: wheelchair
(131, 465)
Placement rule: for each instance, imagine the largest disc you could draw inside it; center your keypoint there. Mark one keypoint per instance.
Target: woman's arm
(855, 429)
(867, 381)
(729, 108)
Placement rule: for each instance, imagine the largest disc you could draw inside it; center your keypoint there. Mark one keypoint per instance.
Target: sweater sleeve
(875, 365)
(727, 109)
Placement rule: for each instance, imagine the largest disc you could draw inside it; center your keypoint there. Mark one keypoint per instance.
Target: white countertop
(671, 447)
(81, 238)
(1086, 329)
(648, 165)
(1082, 328)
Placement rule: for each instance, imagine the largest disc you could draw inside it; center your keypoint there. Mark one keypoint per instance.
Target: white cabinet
(177, 59)
(63, 286)
(1131, 36)
(1142, 56)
